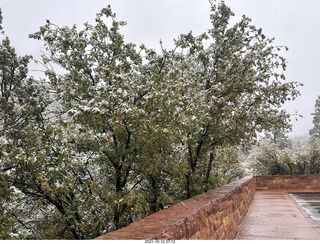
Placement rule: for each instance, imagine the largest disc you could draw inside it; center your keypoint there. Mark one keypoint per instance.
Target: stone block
(221, 235)
(224, 205)
(226, 221)
(194, 222)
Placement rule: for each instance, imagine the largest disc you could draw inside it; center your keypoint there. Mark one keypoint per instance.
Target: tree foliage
(22, 101)
(232, 75)
(1, 18)
(315, 131)
(279, 137)
(117, 132)
(270, 159)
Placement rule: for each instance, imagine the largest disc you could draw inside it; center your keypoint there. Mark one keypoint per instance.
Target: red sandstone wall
(213, 215)
(288, 182)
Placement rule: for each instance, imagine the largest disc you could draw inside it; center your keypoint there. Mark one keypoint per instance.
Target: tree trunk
(211, 158)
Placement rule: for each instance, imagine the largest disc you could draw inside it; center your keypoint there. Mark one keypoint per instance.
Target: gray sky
(294, 23)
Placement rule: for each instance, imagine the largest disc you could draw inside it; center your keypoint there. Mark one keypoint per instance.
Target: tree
(278, 136)
(270, 159)
(315, 131)
(1, 18)
(117, 115)
(226, 165)
(22, 101)
(233, 87)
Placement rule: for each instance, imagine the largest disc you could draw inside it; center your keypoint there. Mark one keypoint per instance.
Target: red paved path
(275, 216)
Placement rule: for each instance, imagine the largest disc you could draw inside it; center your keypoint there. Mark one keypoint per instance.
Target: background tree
(226, 165)
(1, 18)
(315, 131)
(270, 159)
(279, 137)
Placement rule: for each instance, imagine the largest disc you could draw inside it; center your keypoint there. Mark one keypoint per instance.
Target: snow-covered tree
(22, 101)
(1, 18)
(315, 131)
(270, 159)
(233, 85)
(279, 137)
(118, 106)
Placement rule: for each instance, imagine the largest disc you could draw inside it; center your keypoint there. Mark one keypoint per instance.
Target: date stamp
(159, 241)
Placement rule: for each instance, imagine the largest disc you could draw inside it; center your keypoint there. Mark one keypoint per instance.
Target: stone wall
(216, 214)
(288, 182)
(213, 215)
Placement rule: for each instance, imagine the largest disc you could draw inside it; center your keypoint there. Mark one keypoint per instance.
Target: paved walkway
(274, 216)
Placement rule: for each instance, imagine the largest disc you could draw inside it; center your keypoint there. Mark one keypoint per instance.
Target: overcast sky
(294, 23)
